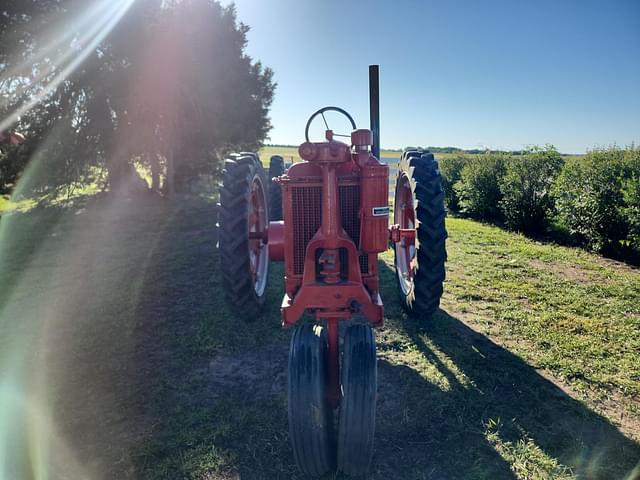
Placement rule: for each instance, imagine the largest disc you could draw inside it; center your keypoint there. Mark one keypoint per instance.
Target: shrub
(631, 195)
(451, 168)
(526, 188)
(590, 200)
(479, 186)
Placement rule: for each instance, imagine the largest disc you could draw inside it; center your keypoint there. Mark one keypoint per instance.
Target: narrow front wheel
(358, 405)
(310, 415)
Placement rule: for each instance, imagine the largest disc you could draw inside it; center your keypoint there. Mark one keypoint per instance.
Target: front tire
(358, 405)
(310, 415)
(419, 204)
(243, 207)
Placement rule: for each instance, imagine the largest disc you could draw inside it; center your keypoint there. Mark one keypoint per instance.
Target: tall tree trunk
(154, 162)
(170, 180)
(115, 172)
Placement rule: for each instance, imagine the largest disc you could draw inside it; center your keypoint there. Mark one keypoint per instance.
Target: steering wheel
(321, 112)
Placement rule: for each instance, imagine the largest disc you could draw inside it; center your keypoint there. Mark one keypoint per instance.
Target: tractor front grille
(307, 217)
(349, 210)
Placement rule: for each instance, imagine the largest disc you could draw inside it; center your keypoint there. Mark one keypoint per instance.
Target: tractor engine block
(362, 202)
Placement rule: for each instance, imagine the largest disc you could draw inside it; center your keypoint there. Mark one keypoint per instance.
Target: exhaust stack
(374, 109)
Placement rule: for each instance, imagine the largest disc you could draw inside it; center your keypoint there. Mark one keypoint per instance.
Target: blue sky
(499, 74)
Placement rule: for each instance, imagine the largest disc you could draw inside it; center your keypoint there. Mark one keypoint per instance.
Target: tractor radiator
(306, 202)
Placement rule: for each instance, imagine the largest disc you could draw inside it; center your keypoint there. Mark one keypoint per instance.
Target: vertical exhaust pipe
(374, 109)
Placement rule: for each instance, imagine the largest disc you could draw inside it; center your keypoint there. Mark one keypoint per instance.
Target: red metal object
(326, 269)
(14, 138)
(403, 234)
(276, 241)
(257, 225)
(335, 207)
(336, 222)
(396, 234)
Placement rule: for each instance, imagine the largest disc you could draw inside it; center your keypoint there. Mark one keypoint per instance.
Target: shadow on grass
(72, 285)
(494, 414)
(214, 384)
(491, 413)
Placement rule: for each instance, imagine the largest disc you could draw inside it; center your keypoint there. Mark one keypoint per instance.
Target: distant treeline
(472, 151)
(592, 200)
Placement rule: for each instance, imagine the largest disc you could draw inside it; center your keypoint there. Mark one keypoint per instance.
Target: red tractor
(335, 222)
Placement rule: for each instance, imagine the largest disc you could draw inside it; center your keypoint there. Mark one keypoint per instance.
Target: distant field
(290, 154)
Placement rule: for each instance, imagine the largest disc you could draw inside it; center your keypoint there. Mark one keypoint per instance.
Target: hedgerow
(590, 197)
(479, 186)
(594, 198)
(526, 189)
(451, 170)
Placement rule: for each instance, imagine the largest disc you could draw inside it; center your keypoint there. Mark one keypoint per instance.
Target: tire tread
(421, 169)
(237, 176)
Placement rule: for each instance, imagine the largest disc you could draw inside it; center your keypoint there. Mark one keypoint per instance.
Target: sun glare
(30, 444)
(89, 28)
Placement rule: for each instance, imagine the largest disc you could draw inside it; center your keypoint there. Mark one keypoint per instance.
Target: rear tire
(276, 168)
(310, 415)
(244, 263)
(418, 173)
(358, 405)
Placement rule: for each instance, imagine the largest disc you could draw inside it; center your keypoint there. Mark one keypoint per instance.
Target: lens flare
(92, 25)
(32, 445)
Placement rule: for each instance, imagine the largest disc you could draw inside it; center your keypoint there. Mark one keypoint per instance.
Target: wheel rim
(258, 247)
(404, 216)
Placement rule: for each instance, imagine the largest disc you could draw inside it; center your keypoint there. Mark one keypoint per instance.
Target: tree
(169, 87)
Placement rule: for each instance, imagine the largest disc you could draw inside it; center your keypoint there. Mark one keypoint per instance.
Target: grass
(113, 312)
(572, 312)
(61, 198)
(8, 205)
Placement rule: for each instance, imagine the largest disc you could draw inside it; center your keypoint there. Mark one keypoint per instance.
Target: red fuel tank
(374, 206)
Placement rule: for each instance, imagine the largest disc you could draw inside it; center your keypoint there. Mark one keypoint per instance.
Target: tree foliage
(593, 200)
(451, 170)
(169, 88)
(479, 186)
(590, 198)
(526, 188)
(631, 196)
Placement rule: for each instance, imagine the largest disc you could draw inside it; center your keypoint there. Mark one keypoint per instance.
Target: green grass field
(114, 321)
